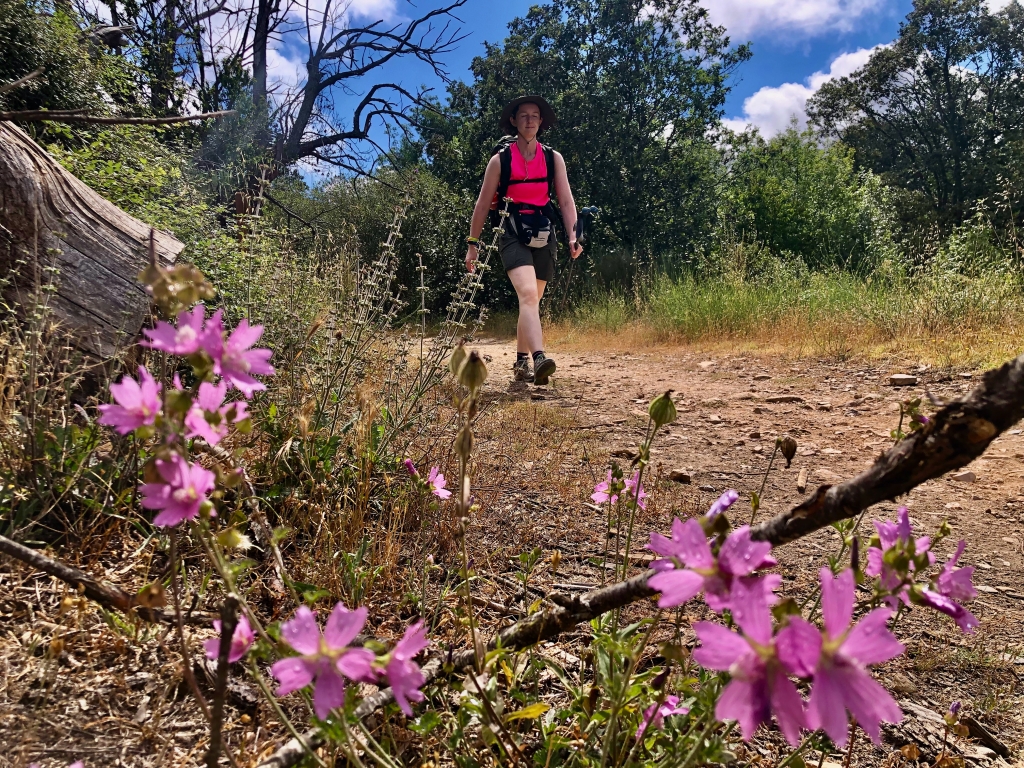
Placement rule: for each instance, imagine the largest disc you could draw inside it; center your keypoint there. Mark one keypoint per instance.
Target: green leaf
(425, 723)
(531, 712)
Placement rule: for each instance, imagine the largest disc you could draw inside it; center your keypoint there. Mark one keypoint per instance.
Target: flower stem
(764, 482)
(793, 755)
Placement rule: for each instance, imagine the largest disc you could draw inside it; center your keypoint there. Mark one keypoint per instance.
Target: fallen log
(959, 433)
(50, 219)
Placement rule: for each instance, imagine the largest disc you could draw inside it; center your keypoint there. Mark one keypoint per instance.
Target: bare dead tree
(342, 60)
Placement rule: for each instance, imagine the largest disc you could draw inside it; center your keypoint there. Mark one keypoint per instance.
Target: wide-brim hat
(547, 114)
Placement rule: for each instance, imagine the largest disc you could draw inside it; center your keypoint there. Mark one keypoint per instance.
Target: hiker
(527, 172)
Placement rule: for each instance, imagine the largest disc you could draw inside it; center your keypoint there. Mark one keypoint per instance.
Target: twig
(228, 622)
(186, 657)
(76, 116)
(100, 592)
(8, 87)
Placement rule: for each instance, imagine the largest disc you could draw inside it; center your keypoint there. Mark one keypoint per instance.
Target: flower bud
(658, 681)
(464, 443)
(788, 447)
(232, 538)
(457, 359)
(662, 410)
(473, 372)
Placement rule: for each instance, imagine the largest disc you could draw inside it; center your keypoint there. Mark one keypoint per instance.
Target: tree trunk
(48, 218)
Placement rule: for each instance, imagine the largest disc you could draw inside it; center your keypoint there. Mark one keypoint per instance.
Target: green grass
(940, 316)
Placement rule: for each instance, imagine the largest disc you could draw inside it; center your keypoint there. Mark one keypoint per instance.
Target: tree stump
(50, 219)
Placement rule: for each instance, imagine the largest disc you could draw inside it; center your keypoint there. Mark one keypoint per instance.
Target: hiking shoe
(521, 370)
(543, 367)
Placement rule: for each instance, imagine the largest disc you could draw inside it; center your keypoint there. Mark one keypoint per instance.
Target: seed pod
(457, 359)
(662, 409)
(788, 447)
(473, 373)
(464, 443)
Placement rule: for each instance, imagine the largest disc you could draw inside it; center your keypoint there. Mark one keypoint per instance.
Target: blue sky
(797, 45)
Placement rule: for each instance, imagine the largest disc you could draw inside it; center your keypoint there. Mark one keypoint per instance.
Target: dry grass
(941, 319)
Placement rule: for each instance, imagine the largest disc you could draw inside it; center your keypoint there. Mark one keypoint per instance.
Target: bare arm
(483, 204)
(567, 204)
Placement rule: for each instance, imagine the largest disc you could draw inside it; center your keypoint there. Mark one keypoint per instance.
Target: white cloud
(745, 18)
(996, 5)
(773, 108)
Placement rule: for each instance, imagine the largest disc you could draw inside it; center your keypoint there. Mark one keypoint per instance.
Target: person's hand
(575, 249)
(471, 257)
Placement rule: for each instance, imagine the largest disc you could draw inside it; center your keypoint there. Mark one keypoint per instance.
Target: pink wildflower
(138, 403)
(183, 491)
(952, 585)
(240, 640)
(183, 340)
(436, 482)
(208, 417)
(233, 359)
(603, 493)
(404, 676)
(838, 658)
(411, 468)
(691, 566)
(654, 715)
(759, 684)
(326, 659)
(896, 539)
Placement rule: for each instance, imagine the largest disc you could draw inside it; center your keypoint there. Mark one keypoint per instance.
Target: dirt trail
(841, 413)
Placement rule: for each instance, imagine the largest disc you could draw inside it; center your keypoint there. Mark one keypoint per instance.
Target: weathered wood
(50, 218)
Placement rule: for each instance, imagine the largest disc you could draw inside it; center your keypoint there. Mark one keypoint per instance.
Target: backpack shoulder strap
(505, 157)
(549, 159)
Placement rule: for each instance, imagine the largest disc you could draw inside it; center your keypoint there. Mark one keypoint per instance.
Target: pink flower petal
(719, 648)
(343, 625)
(868, 701)
(677, 586)
(870, 641)
(750, 610)
(329, 692)
(301, 632)
(826, 709)
(357, 664)
(798, 645)
(836, 601)
(787, 706)
(745, 703)
(292, 674)
(740, 555)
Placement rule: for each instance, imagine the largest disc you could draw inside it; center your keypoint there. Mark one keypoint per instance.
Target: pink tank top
(531, 192)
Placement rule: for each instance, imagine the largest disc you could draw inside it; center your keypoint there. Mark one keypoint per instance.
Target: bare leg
(529, 337)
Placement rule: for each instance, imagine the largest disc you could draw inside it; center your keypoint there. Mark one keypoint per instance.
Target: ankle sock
(520, 356)
(538, 355)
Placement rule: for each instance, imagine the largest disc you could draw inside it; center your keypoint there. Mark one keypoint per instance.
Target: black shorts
(515, 254)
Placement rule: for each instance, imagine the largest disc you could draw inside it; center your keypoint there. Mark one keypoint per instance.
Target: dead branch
(107, 595)
(76, 116)
(8, 87)
(956, 435)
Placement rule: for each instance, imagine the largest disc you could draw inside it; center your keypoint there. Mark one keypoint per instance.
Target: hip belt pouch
(531, 227)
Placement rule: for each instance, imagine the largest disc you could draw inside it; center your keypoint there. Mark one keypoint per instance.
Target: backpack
(526, 230)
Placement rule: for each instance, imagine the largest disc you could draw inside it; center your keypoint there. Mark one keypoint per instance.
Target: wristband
(473, 241)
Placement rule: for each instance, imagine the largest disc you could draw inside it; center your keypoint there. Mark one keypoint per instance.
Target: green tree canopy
(801, 199)
(638, 87)
(938, 113)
